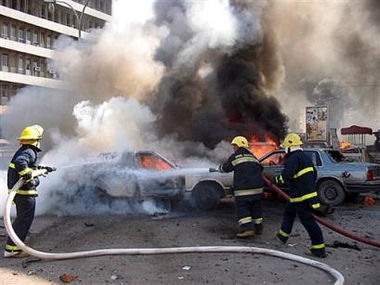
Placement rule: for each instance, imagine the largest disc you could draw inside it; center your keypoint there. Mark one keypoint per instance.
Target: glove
(27, 177)
(212, 169)
(29, 181)
(278, 179)
(47, 168)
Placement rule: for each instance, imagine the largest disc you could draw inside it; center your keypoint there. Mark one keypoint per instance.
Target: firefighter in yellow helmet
(300, 174)
(22, 164)
(248, 187)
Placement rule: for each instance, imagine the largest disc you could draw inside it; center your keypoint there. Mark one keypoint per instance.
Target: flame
(152, 163)
(260, 148)
(344, 144)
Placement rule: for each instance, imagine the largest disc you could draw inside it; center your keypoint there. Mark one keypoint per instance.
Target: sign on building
(317, 123)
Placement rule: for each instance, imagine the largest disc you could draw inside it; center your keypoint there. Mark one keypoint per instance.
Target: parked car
(337, 177)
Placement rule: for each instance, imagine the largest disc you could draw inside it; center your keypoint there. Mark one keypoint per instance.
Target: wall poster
(317, 123)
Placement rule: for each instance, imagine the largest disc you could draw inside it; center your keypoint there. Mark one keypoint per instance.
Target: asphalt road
(187, 227)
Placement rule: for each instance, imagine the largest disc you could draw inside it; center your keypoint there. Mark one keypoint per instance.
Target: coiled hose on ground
(149, 251)
(326, 224)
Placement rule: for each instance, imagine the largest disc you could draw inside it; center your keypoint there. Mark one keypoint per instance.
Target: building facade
(28, 30)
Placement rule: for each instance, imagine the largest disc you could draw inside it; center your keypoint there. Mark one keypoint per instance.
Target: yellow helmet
(240, 141)
(31, 133)
(292, 140)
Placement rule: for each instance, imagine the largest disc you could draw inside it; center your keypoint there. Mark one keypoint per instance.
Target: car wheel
(206, 196)
(331, 193)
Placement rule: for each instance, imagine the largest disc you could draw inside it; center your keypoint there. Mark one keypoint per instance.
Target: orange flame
(344, 144)
(150, 162)
(259, 148)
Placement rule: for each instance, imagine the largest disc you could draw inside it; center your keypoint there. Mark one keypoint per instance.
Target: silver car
(337, 177)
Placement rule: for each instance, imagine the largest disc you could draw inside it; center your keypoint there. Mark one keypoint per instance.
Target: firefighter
(248, 187)
(23, 163)
(300, 174)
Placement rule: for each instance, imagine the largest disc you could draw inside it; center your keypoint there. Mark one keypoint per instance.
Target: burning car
(135, 175)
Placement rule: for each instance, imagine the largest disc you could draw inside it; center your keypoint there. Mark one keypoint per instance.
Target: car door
(273, 163)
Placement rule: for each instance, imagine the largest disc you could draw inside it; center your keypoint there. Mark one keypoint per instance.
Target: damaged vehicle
(142, 175)
(206, 190)
(338, 177)
(133, 175)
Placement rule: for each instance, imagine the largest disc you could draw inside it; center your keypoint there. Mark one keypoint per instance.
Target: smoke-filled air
(182, 77)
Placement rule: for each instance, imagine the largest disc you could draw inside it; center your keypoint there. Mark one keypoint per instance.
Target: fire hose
(149, 251)
(323, 222)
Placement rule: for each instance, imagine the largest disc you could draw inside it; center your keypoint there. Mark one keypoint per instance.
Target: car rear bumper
(363, 188)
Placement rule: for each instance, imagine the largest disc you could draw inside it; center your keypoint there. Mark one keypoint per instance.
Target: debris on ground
(337, 244)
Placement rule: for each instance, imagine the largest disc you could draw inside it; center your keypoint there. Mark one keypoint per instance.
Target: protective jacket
(299, 172)
(23, 162)
(247, 169)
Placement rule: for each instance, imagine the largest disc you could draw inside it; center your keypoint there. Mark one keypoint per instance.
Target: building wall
(28, 30)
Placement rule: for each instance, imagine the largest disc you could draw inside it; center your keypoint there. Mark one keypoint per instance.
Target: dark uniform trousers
(249, 212)
(25, 206)
(302, 209)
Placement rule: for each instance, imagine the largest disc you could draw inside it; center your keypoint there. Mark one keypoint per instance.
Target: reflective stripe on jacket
(23, 162)
(247, 170)
(300, 173)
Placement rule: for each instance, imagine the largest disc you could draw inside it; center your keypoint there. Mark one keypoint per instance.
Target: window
(35, 39)
(151, 162)
(63, 19)
(23, 6)
(66, 19)
(50, 14)
(21, 35)
(13, 33)
(42, 69)
(5, 31)
(43, 12)
(42, 40)
(28, 36)
(13, 63)
(48, 41)
(15, 5)
(21, 65)
(57, 16)
(314, 157)
(27, 67)
(4, 62)
(4, 94)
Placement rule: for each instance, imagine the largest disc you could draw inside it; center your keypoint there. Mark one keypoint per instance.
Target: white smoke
(112, 75)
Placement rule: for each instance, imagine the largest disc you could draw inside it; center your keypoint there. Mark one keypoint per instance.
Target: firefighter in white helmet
(23, 163)
(300, 174)
(248, 187)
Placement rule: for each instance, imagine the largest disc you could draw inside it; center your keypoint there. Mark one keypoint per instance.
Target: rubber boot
(280, 238)
(321, 252)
